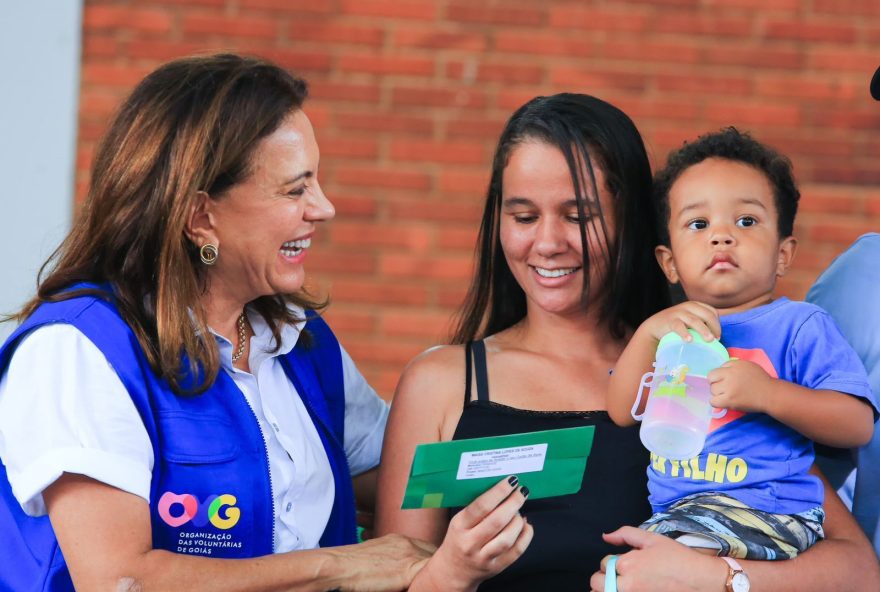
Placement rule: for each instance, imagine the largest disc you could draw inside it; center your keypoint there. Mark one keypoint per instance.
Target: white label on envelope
(502, 461)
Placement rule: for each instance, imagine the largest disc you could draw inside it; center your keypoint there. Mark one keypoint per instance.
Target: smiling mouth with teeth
(555, 273)
(294, 248)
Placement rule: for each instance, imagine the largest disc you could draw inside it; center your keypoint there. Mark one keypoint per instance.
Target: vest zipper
(268, 466)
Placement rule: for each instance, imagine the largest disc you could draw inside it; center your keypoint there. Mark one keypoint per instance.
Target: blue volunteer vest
(210, 493)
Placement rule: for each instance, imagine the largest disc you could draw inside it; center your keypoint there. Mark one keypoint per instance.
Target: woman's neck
(222, 315)
(567, 335)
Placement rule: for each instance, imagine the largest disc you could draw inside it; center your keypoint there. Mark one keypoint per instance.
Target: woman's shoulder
(433, 370)
(433, 384)
(439, 358)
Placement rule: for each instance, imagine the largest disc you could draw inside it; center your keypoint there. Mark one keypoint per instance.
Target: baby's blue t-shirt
(751, 456)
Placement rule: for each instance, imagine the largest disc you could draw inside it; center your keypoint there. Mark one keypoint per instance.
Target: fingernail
(513, 480)
(524, 491)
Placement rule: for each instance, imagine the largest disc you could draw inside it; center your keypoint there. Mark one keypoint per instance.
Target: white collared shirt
(64, 409)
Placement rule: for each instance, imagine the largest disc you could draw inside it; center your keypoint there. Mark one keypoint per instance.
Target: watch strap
(735, 568)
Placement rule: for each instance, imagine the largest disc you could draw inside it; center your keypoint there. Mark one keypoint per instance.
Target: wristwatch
(737, 579)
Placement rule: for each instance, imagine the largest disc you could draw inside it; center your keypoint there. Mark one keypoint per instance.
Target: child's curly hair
(731, 144)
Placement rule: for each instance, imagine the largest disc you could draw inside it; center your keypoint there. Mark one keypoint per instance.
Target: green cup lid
(715, 346)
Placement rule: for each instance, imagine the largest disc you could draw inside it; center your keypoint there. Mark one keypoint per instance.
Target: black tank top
(567, 544)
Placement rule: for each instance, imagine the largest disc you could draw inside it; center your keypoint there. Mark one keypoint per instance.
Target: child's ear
(667, 263)
(787, 250)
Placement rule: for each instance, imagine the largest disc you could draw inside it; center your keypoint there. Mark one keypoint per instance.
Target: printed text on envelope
(502, 461)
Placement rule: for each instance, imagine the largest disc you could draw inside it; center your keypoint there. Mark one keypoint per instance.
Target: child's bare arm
(827, 417)
(633, 363)
(639, 353)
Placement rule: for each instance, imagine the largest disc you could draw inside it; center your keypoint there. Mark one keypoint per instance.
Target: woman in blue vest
(171, 400)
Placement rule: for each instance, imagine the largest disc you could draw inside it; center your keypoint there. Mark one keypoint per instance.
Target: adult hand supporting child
(655, 565)
(637, 571)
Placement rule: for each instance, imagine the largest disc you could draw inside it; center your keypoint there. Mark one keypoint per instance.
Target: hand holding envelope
(491, 478)
(548, 463)
(482, 540)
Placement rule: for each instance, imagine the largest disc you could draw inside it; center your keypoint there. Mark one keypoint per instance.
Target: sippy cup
(677, 415)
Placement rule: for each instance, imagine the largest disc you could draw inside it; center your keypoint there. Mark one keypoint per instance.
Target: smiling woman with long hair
(565, 269)
(171, 400)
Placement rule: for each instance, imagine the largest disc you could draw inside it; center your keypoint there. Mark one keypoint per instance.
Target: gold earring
(208, 253)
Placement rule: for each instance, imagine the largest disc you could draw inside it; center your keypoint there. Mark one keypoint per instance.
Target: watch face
(740, 583)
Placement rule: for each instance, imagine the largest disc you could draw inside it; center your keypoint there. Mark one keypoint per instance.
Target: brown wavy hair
(192, 125)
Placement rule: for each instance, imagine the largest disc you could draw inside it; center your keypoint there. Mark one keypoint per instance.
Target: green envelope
(449, 474)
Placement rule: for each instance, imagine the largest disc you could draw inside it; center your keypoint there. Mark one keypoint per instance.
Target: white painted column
(39, 90)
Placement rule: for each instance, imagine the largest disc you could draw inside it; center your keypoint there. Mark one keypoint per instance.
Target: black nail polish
(513, 480)
(524, 491)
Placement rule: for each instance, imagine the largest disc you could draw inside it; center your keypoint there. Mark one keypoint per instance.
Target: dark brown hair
(590, 133)
(192, 125)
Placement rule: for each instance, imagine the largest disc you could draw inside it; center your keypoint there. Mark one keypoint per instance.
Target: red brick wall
(408, 97)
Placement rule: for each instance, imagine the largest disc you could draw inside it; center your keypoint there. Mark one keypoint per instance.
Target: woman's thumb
(629, 536)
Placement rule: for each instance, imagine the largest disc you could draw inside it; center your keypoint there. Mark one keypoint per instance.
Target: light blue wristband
(611, 574)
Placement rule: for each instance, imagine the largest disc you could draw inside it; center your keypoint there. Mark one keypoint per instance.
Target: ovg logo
(178, 509)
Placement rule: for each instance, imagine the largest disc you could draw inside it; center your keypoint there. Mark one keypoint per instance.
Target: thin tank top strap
(467, 371)
(480, 369)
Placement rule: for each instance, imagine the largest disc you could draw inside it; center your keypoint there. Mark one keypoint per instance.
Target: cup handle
(643, 384)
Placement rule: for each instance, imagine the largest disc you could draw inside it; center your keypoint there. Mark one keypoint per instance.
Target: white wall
(39, 87)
